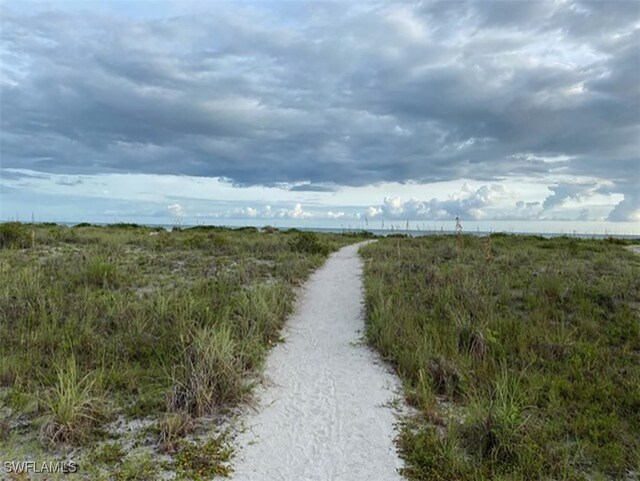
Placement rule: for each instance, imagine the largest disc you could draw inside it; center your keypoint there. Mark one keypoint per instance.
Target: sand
(324, 410)
(634, 248)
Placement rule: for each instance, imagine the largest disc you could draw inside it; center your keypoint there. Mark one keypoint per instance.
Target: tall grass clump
(100, 273)
(521, 354)
(73, 406)
(208, 374)
(172, 428)
(498, 425)
(259, 311)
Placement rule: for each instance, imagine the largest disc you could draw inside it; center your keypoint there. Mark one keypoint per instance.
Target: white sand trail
(324, 413)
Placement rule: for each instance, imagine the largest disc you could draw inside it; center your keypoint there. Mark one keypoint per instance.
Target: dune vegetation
(521, 355)
(120, 339)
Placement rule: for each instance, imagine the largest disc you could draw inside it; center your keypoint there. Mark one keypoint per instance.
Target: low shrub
(246, 228)
(127, 226)
(15, 235)
(196, 242)
(308, 243)
(360, 234)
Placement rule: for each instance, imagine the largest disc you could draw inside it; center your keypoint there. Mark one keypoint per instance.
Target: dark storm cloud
(329, 93)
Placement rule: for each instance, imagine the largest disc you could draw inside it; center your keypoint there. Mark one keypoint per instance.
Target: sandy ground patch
(635, 249)
(324, 412)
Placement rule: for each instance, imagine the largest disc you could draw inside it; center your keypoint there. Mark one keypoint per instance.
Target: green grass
(73, 406)
(204, 461)
(209, 372)
(521, 354)
(104, 322)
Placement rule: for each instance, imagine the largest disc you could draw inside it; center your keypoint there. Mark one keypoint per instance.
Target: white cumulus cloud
(176, 211)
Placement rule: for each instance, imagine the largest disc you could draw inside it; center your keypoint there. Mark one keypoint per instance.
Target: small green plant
(5, 428)
(109, 454)
(459, 240)
(137, 468)
(172, 428)
(204, 461)
(430, 455)
(487, 248)
(446, 377)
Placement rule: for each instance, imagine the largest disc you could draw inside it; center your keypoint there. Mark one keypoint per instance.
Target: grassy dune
(521, 354)
(130, 323)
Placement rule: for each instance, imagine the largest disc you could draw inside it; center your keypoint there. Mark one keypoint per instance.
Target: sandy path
(323, 414)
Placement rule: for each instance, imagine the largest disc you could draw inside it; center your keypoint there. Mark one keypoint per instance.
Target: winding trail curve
(324, 413)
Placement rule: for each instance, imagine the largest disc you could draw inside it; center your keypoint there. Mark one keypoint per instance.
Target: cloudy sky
(514, 115)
